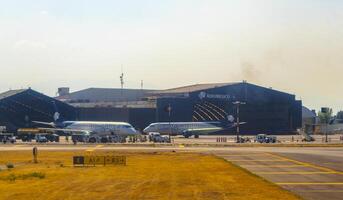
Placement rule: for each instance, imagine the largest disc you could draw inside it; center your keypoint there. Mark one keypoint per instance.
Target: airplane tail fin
(57, 116)
(57, 119)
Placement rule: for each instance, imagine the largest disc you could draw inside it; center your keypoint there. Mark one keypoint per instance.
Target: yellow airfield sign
(99, 160)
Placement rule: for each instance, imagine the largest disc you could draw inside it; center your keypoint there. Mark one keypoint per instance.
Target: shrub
(10, 165)
(13, 177)
(38, 175)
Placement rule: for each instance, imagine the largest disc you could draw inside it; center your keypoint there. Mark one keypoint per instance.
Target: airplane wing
(44, 123)
(66, 130)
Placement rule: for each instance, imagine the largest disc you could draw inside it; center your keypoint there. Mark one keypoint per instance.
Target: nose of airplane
(133, 131)
(146, 130)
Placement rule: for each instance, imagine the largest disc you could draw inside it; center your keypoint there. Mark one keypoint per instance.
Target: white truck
(158, 138)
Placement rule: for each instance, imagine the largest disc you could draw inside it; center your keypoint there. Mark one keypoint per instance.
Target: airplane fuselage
(101, 128)
(180, 128)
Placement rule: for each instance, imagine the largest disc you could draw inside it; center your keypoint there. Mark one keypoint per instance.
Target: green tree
(325, 117)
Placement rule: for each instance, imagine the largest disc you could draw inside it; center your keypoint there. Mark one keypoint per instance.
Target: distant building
(308, 116)
(93, 95)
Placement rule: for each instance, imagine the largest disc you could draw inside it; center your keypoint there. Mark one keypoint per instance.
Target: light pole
(238, 103)
(326, 132)
(169, 114)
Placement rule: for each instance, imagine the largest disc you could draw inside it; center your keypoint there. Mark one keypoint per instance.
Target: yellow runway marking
(94, 148)
(320, 191)
(295, 173)
(243, 155)
(337, 183)
(257, 160)
(305, 164)
(273, 166)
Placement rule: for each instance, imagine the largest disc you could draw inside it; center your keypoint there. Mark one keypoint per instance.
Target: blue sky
(294, 46)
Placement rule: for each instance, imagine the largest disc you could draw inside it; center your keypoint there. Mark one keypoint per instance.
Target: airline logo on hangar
(203, 95)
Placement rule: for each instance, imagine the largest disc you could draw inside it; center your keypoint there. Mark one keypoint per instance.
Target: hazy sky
(291, 45)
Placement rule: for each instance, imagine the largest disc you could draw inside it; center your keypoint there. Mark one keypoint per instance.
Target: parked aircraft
(94, 130)
(188, 129)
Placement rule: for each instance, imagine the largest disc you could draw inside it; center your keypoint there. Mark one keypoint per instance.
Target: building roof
(10, 93)
(130, 104)
(192, 88)
(104, 95)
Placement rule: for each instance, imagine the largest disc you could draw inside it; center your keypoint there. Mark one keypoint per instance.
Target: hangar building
(266, 110)
(18, 108)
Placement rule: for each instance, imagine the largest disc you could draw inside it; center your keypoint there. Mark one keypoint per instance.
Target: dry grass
(147, 176)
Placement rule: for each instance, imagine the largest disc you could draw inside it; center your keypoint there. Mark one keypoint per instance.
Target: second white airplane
(188, 129)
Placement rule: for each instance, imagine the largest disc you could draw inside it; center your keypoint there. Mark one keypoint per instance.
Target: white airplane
(187, 129)
(93, 130)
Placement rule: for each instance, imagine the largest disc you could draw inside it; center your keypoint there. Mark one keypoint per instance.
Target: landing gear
(196, 136)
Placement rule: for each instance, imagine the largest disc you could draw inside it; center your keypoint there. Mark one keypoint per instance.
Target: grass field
(146, 176)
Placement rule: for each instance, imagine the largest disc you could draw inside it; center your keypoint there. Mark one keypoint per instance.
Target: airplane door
(115, 130)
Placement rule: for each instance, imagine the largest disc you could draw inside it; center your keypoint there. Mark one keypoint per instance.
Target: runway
(310, 172)
(315, 174)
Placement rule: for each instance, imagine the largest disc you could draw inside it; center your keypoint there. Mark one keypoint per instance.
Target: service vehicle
(263, 138)
(41, 138)
(7, 138)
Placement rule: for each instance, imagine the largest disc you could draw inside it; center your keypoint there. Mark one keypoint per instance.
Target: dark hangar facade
(18, 108)
(265, 110)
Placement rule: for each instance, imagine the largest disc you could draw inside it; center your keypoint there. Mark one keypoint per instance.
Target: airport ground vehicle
(243, 140)
(41, 138)
(27, 135)
(157, 137)
(52, 137)
(95, 138)
(79, 138)
(7, 138)
(263, 138)
(2, 129)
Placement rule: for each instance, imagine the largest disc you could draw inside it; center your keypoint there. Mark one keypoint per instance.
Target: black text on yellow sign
(99, 160)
